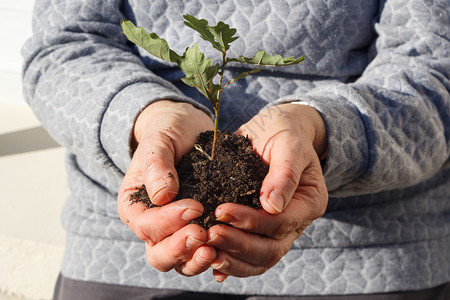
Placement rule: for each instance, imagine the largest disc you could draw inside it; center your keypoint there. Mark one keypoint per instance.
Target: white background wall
(15, 21)
(32, 185)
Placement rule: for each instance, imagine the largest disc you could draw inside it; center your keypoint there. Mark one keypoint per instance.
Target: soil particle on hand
(234, 175)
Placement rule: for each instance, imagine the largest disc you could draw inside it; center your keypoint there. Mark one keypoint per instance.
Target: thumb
(164, 131)
(286, 165)
(156, 154)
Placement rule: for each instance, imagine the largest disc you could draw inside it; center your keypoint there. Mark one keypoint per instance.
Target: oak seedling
(200, 71)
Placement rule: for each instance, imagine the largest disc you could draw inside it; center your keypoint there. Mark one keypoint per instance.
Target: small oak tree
(200, 71)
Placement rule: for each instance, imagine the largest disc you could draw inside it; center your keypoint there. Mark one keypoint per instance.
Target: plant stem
(216, 107)
(216, 126)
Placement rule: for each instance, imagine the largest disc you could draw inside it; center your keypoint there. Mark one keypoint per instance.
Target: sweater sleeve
(391, 127)
(85, 83)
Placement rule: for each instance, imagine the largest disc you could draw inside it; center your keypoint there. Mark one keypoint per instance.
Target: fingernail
(158, 187)
(223, 217)
(219, 276)
(201, 261)
(276, 200)
(221, 280)
(192, 242)
(213, 239)
(223, 265)
(190, 214)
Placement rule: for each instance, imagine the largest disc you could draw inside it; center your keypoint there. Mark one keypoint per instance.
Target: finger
(176, 249)
(230, 265)
(156, 155)
(308, 203)
(261, 222)
(219, 276)
(156, 223)
(287, 160)
(200, 261)
(250, 248)
(131, 183)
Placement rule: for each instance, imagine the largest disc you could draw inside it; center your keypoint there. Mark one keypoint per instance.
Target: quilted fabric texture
(377, 71)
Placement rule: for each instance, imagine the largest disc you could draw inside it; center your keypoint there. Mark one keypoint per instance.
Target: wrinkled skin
(289, 137)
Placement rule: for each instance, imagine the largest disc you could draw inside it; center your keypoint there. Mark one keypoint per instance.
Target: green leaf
(220, 36)
(200, 72)
(224, 35)
(150, 42)
(263, 59)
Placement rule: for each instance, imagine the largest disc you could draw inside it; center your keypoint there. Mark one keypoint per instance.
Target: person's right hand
(163, 133)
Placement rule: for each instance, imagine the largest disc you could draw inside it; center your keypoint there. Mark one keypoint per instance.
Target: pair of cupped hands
(290, 138)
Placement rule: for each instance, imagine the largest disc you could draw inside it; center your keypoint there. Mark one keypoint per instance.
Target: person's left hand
(290, 138)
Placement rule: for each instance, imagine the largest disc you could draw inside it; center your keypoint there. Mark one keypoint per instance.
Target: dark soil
(235, 175)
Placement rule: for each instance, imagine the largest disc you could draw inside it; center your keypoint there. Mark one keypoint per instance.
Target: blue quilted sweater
(378, 72)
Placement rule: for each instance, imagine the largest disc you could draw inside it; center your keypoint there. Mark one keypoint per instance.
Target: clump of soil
(235, 175)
